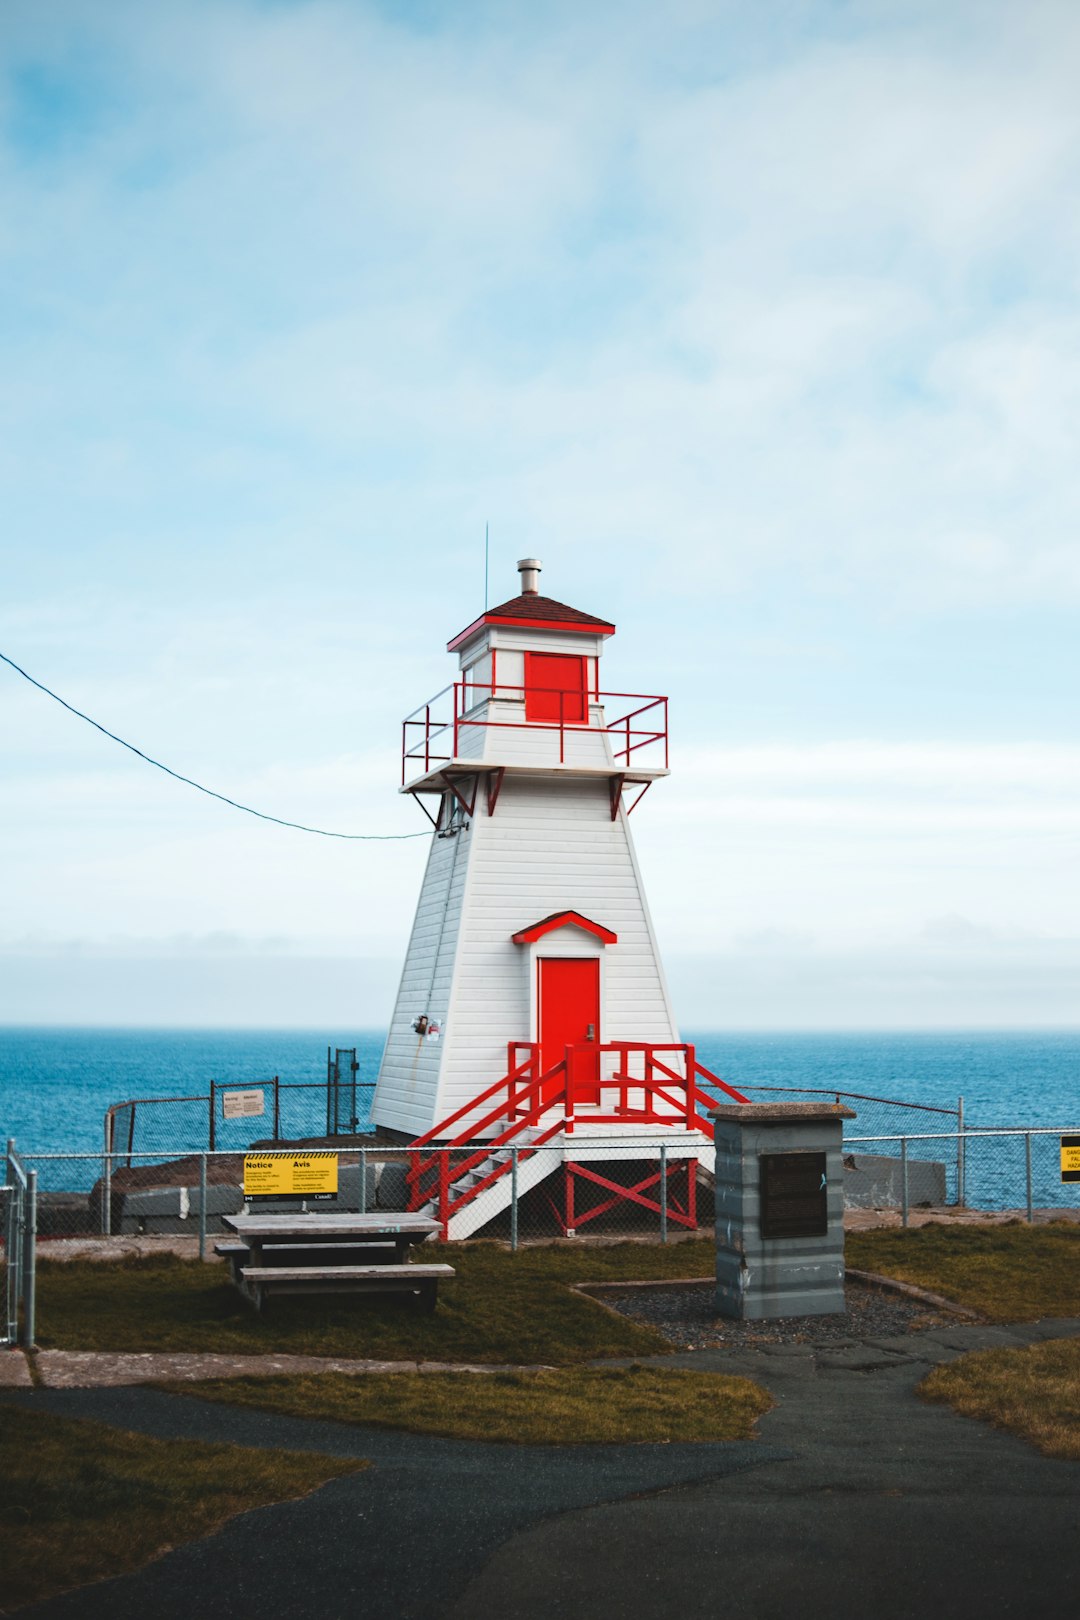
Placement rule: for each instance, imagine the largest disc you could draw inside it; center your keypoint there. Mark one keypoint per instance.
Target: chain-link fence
(1009, 1169)
(234, 1118)
(582, 1185)
(879, 1117)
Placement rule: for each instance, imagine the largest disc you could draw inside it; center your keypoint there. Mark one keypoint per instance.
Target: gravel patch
(686, 1316)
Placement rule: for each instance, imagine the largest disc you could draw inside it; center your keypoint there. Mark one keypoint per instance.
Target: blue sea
(56, 1083)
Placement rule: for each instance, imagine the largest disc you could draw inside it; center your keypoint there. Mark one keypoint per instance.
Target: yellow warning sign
(290, 1175)
(1070, 1158)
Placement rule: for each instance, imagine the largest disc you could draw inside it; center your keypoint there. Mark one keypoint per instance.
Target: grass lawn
(1012, 1273)
(501, 1307)
(81, 1500)
(573, 1406)
(1033, 1392)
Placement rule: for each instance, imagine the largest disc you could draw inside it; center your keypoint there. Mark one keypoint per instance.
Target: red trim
(468, 805)
(561, 919)
(494, 785)
(635, 1194)
(528, 624)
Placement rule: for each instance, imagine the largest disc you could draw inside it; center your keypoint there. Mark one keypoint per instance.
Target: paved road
(859, 1502)
(399, 1540)
(886, 1508)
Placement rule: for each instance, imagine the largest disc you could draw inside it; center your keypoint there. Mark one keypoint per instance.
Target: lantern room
(528, 697)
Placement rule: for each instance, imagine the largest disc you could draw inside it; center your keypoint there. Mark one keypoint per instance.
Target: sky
(759, 325)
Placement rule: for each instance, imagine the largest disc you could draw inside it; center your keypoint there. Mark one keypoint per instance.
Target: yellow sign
(1070, 1158)
(290, 1175)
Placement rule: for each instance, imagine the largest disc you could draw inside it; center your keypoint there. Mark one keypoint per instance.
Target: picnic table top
(311, 1225)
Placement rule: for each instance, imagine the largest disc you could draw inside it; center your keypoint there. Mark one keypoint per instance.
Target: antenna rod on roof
(486, 557)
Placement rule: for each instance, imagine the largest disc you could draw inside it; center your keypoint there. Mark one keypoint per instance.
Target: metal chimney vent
(529, 569)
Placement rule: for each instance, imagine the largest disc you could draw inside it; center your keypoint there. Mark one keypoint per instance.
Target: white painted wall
(550, 846)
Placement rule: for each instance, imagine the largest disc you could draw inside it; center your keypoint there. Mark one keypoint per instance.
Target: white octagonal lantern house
(532, 1007)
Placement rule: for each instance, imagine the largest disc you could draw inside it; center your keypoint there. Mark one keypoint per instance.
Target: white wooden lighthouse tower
(533, 1005)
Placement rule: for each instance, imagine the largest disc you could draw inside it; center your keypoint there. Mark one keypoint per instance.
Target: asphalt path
(859, 1502)
(885, 1508)
(399, 1540)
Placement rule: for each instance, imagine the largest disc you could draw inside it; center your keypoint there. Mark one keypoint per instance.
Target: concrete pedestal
(779, 1209)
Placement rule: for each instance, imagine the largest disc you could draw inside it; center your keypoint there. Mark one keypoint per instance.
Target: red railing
(529, 1099)
(431, 734)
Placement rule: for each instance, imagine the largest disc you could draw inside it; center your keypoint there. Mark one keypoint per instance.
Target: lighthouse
(532, 1007)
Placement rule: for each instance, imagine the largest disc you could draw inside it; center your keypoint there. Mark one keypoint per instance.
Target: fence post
(961, 1155)
(1027, 1173)
(444, 1193)
(213, 1123)
(277, 1109)
(663, 1192)
(7, 1203)
(363, 1181)
(904, 1177)
(513, 1200)
(30, 1261)
(202, 1206)
(106, 1206)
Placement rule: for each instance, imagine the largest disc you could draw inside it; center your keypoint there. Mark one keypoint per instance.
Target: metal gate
(341, 1070)
(18, 1212)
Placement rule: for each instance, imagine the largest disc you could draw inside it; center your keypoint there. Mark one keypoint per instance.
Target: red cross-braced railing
(623, 1083)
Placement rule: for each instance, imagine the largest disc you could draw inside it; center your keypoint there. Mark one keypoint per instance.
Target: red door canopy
(554, 688)
(568, 995)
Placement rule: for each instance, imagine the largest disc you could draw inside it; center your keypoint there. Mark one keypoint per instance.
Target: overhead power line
(297, 826)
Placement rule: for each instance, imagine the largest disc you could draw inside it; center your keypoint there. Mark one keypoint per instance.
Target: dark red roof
(530, 608)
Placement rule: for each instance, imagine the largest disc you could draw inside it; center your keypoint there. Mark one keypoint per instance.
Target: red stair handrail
(541, 1097)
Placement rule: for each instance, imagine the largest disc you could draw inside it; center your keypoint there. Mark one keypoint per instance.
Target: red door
(568, 999)
(555, 688)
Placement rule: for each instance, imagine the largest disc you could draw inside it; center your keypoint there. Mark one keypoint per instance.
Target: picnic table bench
(330, 1254)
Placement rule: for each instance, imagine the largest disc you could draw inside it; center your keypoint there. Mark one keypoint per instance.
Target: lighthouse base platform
(588, 1122)
(572, 1182)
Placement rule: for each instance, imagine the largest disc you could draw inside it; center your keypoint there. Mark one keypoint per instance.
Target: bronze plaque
(793, 1195)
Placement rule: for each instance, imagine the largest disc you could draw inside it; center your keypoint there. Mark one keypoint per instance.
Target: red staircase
(528, 1108)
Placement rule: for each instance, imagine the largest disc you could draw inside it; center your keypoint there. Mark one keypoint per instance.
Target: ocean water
(56, 1084)
(1010, 1078)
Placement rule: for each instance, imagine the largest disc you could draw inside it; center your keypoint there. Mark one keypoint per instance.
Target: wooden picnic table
(312, 1253)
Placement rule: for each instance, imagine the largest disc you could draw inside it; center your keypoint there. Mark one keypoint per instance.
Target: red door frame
(565, 1010)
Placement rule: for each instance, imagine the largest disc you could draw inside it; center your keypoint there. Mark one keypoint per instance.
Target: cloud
(804, 300)
(759, 329)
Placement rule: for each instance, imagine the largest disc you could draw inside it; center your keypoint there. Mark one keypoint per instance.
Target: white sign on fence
(242, 1104)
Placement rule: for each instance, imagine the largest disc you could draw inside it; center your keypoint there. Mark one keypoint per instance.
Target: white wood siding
(408, 1080)
(551, 845)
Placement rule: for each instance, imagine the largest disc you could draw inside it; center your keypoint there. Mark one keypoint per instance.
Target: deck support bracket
(494, 782)
(468, 805)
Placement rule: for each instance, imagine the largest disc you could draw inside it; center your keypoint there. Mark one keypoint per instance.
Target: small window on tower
(477, 682)
(452, 817)
(555, 688)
